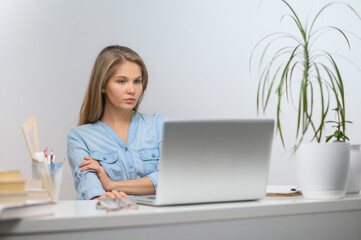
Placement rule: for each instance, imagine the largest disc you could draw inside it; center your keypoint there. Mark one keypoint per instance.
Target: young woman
(115, 150)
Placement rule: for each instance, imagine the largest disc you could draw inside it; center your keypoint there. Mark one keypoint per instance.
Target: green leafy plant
(338, 134)
(314, 70)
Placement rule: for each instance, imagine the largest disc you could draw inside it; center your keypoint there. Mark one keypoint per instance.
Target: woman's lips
(129, 100)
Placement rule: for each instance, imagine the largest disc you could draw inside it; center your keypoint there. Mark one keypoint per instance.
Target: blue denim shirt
(138, 158)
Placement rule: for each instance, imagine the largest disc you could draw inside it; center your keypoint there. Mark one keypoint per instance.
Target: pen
(46, 155)
(52, 157)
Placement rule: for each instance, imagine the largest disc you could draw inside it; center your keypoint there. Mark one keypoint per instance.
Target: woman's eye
(121, 81)
(137, 81)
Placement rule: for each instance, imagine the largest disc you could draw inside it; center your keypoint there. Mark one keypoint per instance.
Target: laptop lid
(206, 161)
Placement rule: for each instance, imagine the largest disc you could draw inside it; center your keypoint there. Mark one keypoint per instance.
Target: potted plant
(311, 80)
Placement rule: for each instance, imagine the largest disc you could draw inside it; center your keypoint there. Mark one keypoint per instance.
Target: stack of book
(15, 189)
(23, 197)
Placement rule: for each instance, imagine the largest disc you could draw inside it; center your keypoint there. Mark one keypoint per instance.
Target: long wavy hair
(105, 66)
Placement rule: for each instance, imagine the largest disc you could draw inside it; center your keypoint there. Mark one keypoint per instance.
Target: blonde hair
(104, 67)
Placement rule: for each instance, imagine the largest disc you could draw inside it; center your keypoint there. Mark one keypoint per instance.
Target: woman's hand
(91, 164)
(113, 193)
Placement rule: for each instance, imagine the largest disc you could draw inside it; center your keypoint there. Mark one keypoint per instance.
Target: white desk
(270, 218)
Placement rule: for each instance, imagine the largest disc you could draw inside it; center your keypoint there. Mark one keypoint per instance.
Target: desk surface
(82, 215)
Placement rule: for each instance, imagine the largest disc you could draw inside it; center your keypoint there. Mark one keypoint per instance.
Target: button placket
(130, 162)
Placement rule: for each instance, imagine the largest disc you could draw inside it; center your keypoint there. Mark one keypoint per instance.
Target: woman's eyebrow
(121, 76)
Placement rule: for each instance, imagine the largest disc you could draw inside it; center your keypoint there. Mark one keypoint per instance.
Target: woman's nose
(130, 88)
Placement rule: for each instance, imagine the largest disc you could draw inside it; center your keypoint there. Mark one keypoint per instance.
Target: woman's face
(124, 87)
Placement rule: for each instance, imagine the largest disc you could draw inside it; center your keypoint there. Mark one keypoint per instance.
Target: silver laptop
(204, 161)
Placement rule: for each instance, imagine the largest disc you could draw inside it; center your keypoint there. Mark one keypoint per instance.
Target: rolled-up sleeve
(154, 178)
(87, 183)
(159, 128)
(159, 122)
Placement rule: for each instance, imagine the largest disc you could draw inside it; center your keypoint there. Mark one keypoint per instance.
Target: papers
(13, 211)
(283, 191)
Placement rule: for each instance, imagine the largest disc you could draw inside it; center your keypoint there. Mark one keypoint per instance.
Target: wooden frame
(29, 125)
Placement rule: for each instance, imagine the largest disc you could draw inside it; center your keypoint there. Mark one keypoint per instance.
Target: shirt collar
(134, 118)
(131, 133)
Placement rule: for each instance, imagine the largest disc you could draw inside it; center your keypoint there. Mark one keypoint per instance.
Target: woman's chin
(127, 107)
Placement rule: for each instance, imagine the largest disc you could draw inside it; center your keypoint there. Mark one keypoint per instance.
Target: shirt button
(126, 149)
(104, 158)
(131, 166)
(153, 155)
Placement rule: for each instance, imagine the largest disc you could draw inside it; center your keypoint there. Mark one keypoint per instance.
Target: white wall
(197, 55)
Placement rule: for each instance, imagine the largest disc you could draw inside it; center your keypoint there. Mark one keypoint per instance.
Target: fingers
(87, 161)
(123, 195)
(119, 194)
(89, 164)
(84, 164)
(114, 193)
(88, 167)
(109, 194)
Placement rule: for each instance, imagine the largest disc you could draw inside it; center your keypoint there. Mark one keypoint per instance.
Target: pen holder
(50, 175)
(56, 176)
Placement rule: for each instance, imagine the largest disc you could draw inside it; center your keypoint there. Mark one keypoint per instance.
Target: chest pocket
(150, 158)
(111, 164)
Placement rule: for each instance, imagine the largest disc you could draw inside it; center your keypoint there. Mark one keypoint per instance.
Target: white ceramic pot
(322, 169)
(354, 174)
